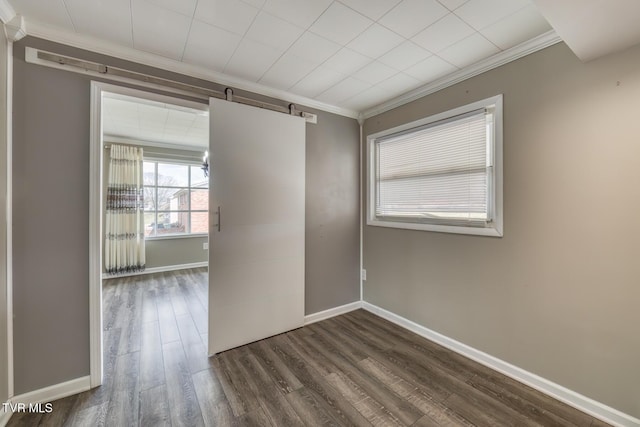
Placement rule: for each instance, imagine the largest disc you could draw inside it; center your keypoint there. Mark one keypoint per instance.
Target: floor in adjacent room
(355, 369)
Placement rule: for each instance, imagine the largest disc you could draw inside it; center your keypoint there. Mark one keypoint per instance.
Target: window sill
(177, 236)
(439, 228)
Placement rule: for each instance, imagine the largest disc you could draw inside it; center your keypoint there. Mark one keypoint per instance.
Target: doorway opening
(149, 262)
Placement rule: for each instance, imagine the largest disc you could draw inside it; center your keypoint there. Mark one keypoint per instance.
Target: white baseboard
(5, 416)
(332, 312)
(54, 392)
(158, 270)
(563, 394)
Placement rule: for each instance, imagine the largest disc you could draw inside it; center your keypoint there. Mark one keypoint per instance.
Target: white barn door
(256, 253)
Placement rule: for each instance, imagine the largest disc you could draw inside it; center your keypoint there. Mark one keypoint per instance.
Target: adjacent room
(154, 237)
(310, 212)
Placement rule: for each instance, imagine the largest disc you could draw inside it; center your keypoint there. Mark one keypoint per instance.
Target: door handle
(219, 224)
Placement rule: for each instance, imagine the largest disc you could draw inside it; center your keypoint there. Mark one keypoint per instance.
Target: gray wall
(51, 295)
(168, 252)
(558, 294)
(50, 226)
(4, 394)
(163, 252)
(332, 265)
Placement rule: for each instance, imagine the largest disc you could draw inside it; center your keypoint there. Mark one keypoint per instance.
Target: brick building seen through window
(176, 199)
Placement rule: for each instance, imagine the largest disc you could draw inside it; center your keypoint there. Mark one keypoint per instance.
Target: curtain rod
(198, 90)
(148, 150)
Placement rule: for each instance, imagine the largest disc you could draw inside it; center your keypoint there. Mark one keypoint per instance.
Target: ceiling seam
(66, 9)
(308, 30)
(186, 41)
(243, 36)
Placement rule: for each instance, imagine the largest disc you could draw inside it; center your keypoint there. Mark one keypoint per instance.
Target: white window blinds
(437, 173)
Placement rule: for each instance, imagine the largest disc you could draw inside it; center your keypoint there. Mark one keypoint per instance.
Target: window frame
(188, 187)
(495, 227)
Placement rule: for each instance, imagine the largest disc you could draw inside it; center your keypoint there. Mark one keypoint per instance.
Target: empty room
(319, 212)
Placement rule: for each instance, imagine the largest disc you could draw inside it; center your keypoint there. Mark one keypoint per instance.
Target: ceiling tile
(199, 136)
(287, 71)
(210, 46)
(201, 122)
(254, 3)
(467, 51)
(231, 15)
(340, 24)
(404, 55)
(273, 31)
(185, 7)
(251, 60)
(140, 119)
(347, 61)
(117, 119)
(430, 69)
(127, 118)
(152, 117)
(126, 131)
(373, 9)
(317, 81)
(52, 12)
(314, 48)
(175, 132)
(399, 84)
(196, 130)
(354, 52)
(374, 72)
(411, 16)
(367, 99)
(300, 12)
(170, 130)
(108, 20)
(345, 89)
(119, 106)
(158, 30)
(375, 41)
(177, 118)
(482, 13)
(452, 4)
(443, 33)
(523, 25)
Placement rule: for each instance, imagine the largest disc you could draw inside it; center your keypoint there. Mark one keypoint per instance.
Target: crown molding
(37, 29)
(16, 29)
(537, 43)
(7, 13)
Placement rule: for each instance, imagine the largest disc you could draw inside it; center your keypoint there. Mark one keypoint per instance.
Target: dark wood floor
(355, 369)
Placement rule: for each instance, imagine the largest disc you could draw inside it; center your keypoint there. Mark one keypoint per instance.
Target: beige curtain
(124, 229)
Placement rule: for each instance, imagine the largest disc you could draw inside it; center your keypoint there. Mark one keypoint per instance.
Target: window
(176, 199)
(442, 173)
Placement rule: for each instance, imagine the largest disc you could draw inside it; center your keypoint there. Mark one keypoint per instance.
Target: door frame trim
(95, 211)
(95, 232)
(7, 182)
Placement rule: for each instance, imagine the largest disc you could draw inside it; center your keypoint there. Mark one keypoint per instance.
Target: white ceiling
(145, 120)
(593, 28)
(352, 54)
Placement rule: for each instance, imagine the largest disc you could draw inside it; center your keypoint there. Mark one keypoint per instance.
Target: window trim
(189, 188)
(495, 227)
(177, 236)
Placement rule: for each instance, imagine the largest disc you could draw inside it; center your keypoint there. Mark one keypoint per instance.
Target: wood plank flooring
(353, 370)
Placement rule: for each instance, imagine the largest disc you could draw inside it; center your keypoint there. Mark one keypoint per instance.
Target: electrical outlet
(205, 246)
(364, 274)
